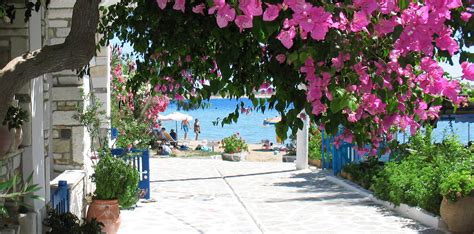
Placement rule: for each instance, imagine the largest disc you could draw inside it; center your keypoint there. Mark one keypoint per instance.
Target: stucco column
(34, 156)
(302, 144)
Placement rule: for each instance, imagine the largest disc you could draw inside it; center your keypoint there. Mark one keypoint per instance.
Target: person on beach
(197, 128)
(185, 127)
(174, 135)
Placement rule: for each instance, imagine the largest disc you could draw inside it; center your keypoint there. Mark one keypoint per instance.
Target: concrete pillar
(302, 144)
(34, 156)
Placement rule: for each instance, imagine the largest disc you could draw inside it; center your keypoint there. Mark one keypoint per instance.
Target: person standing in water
(197, 128)
(185, 127)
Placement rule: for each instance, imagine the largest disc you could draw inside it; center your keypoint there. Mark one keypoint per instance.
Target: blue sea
(250, 126)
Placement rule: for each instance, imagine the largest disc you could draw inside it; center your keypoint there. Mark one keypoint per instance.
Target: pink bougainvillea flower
(217, 4)
(465, 16)
(286, 37)
(162, 3)
(420, 110)
(280, 58)
(446, 42)
(351, 117)
(251, 7)
(367, 6)
(199, 9)
(433, 111)
(343, 22)
(468, 70)
(359, 22)
(178, 97)
(188, 58)
(179, 5)
(338, 62)
(243, 21)
(271, 13)
(386, 26)
(315, 20)
(387, 6)
(225, 14)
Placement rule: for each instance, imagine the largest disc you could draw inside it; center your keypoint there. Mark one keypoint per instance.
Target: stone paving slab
(214, 196)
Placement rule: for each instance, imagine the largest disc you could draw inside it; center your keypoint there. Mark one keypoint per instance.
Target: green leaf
(352, 104)
(338, 103)
(293, 57)
(403, 4)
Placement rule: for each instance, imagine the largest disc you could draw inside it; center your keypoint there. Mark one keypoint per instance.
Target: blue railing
(139, 159)
(60, 198)
(114, 133)
(335, 158)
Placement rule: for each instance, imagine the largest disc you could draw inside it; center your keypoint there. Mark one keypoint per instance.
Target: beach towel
(168, 137)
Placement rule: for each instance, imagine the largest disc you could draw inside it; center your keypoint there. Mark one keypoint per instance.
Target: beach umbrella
(175, 116)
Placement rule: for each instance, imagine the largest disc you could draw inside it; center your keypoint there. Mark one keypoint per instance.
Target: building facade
(55, 145)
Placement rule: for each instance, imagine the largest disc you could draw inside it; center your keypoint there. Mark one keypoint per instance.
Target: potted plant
(116, 186)
(234, 148)
(15, 118)
(457, 207)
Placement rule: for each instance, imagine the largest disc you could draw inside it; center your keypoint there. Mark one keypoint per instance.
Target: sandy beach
(256, 152)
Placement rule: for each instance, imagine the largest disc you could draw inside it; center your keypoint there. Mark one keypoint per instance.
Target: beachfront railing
(139, 159)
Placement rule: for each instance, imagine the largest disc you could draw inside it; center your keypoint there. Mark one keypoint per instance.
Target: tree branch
(76, 52)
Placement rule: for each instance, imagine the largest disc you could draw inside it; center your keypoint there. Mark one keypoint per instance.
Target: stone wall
(10, 165)
(70, 145)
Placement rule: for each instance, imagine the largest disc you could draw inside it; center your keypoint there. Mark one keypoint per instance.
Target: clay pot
(235, 157)
(315, 162)
(12, 136)
(459, 215)
(107, 212)
(5, 140)
(18, 137)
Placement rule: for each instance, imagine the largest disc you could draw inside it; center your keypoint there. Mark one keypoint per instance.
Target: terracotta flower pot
(315, 162)
(13, 143)
(18, 137)
(107, 212)
(5, 140)
(459, 215)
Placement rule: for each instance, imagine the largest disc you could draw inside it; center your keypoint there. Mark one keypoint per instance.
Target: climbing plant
(371, 66)
(133, 111)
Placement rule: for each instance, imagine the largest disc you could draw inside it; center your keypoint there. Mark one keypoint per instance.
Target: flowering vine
(371, 66)
(134, 112)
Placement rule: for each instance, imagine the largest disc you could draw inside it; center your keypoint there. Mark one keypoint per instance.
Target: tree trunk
(76, 52)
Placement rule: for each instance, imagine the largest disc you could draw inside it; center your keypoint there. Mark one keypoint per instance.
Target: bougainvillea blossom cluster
(376, 93)
(130, 101)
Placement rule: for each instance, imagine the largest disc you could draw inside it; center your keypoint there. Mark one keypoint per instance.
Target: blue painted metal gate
(139, 159)
(335, 158)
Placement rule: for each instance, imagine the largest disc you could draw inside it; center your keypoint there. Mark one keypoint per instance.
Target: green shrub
(425, 173)
(413, 181)
(457, 179)
(364, 173)
(234, 144)
(69, 223)
(116, 179)
(314, 143)
(458, 184)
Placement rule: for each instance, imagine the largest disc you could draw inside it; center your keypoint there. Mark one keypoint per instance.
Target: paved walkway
(214, 196)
